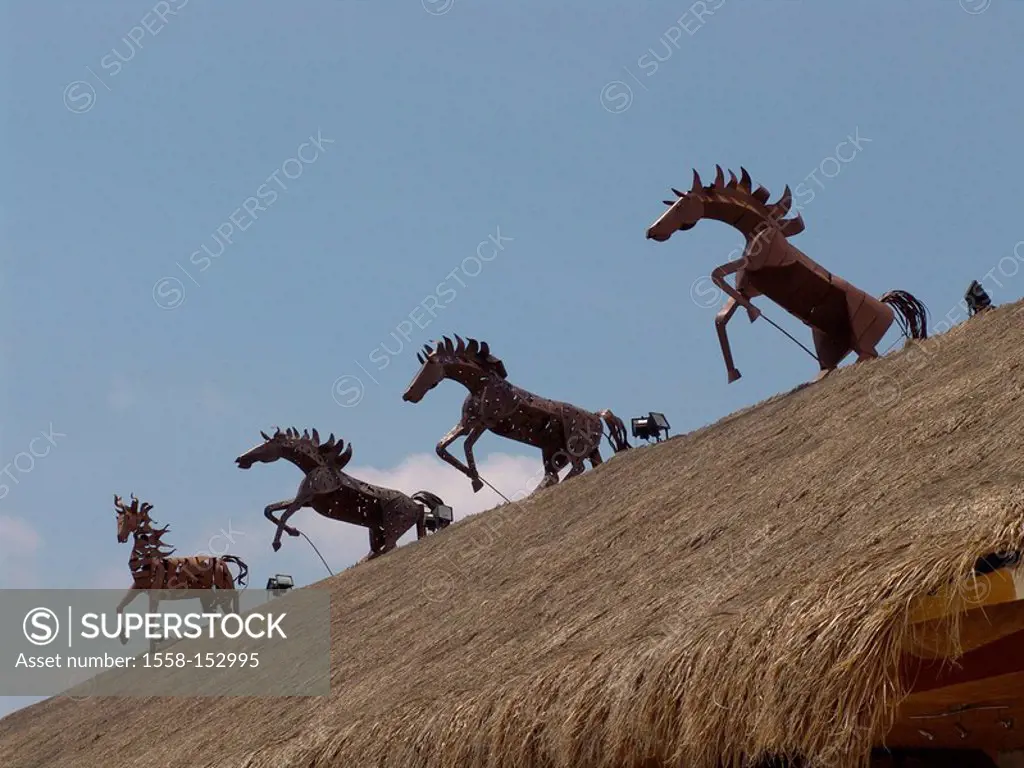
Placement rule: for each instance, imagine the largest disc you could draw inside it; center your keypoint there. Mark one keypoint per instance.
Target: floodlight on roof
(437, 514)
(977, 299)
(280, 583)
(650, 426)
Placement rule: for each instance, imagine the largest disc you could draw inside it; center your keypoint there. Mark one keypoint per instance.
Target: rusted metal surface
(333, 493)
(843, 318)
(566, 434)
(153, 569)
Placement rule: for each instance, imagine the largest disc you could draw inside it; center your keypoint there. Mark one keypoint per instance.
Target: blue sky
(442, 125)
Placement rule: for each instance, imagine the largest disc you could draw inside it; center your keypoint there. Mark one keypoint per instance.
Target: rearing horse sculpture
(387, 513)
(564, 433)
(844, 318)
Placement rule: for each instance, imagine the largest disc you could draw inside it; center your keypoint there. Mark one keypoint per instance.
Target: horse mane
(147, 538)
(740, 190)
(476, 352)
(333, 452)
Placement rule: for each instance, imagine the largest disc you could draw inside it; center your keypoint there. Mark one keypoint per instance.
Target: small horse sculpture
(152, 568)
(844, 318)
(387, 513)
(565, 433)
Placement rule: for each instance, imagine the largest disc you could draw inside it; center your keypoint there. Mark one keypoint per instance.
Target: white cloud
(19, 543)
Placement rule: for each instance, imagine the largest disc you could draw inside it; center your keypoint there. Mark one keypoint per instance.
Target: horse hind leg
(578, 468)
(830, 352)
(550, 471)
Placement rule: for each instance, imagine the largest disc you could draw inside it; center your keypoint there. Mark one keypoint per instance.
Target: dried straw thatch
(741, 590)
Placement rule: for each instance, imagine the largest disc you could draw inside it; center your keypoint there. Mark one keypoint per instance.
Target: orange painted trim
(1002, 586)
(1001, 657)
(978, 627)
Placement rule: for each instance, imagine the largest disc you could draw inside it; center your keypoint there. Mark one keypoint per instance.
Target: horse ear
(792, 227)
(264, 435)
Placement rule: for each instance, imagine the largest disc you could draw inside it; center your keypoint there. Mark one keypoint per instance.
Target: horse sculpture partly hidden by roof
(387, 513)
(163, 577)
(844, 318)
(565, 433)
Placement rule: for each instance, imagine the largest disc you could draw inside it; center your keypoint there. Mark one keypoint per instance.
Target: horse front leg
(454, 434)
(474, 435)
(130, 595)
(282, 526)
(718, 275)
(154, 602)
(721, 319)
(269, 511)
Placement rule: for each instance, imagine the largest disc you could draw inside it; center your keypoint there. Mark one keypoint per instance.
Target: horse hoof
(276, 545)
(477, 485)
(734, 375)
(292, 532)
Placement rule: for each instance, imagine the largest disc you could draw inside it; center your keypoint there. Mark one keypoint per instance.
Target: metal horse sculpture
(565, 433)
(844, 318)
(153, 569)
(387, 513)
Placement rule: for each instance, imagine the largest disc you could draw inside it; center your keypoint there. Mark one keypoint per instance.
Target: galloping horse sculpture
(152, 568)
(844, 318)
(565, 433)
(387, 513)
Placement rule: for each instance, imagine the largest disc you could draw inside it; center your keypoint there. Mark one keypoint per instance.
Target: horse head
(130, 517)
(303, 449)
(735, 202)
(457, 360)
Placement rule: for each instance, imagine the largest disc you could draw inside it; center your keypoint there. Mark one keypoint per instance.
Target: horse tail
(429, 499)
(617, 429)
(911, 312)
(243, 569)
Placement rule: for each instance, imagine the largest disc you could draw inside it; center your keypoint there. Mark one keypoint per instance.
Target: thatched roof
(739, 590)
